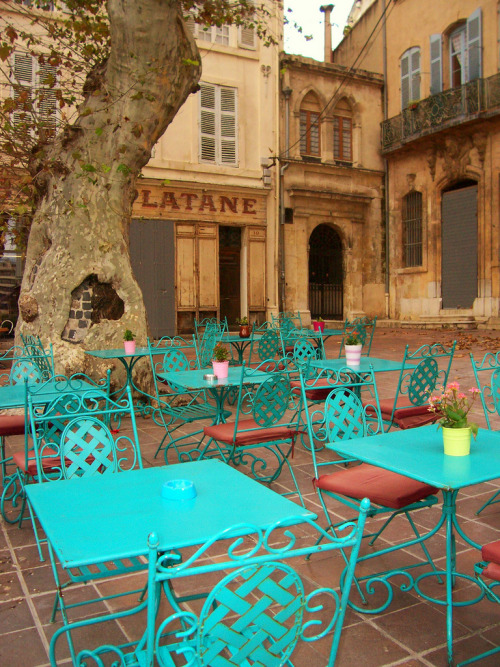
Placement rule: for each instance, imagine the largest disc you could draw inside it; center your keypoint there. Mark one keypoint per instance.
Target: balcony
(477, 99)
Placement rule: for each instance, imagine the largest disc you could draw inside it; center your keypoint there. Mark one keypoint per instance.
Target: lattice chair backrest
(254, 616)
(206, 349)
(303, 352)
(87, 448)
(271, 400)
(173, 360)
(489, 369)
(268, 345)
(423, 381)
(25, 370)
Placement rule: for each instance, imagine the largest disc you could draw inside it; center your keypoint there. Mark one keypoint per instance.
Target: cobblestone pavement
(410, 633)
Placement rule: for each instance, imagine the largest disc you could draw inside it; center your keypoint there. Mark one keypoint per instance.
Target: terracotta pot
(221, 368)
(245, 330)
(456, 441)
(129, 346)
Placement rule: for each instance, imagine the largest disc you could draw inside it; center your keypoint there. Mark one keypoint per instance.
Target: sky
(307, 15)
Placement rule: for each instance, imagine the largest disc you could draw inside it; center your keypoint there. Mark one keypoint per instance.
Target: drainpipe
(327, 10)
(386, 173)
(284, 166)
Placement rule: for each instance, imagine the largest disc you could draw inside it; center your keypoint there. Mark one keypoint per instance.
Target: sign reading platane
(198, 204)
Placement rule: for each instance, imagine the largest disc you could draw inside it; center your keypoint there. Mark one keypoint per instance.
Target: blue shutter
(474, 46)
(436, 64)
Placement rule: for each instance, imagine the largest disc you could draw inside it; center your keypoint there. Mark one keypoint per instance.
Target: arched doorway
(459, 265)
(325, 274)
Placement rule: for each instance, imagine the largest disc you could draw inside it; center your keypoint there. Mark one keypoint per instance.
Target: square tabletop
(378, 365)
(119, 353)
(418, 453)
(119, 511)
(191, 380)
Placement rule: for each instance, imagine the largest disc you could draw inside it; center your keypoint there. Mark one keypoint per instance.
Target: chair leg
(491, 501)
(13, 494)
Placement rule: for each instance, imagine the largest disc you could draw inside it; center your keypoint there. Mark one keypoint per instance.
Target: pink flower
(474, 390)
(453, 385)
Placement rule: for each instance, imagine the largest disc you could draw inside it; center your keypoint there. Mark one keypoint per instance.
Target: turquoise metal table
(120, 512)
(128, 361)
(240, 344)
(14, 396)
(367, 363)
(219, 389)
(419, 454)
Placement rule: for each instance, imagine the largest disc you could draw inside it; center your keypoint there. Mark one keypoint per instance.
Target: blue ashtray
(178, 489)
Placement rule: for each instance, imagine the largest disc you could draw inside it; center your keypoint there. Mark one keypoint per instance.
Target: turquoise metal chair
(173, 408)
(264, 432)
(344, 416)
(409, 407)
(487, 376)
(265, 348)
(364, 328)
(45, 420)
(20, 367)
(253, 616)
(487, 574)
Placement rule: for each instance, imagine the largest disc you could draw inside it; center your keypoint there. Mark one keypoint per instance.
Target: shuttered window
(466, 51)
(33, 90)
(310, 143)
(247, 37)
(218, 125)
(342, 131)
(410, 76)
(436, 64)
(412, 229)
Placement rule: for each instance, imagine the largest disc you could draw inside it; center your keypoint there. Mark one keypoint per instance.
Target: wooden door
(229, 273)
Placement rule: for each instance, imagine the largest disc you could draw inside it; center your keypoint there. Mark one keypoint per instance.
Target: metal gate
(152, 254)
(325, 274)
(459, 247)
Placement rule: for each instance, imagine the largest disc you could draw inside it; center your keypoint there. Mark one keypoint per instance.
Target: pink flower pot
(353, 355)
(129, 346)
(221, 368)
(318, 326)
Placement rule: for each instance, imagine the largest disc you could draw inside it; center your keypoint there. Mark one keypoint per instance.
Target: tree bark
(86, 181)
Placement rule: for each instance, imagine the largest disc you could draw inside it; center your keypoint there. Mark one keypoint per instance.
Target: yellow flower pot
(457, 441)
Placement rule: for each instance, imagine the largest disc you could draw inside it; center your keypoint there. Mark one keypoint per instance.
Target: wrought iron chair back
(487, 376)
(431, 366)
(267, 423)
(205, 349)
(267, 346)
(173, 408)
(345, 416)
(363, 328)
(35, 349)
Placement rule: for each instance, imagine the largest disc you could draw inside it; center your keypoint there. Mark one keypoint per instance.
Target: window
(436, 67)
(213, 34)
(342, 132)
(410, 76)
(310, 126)
(465, 51)
(218, 125)
(412, 229)
(33, 90)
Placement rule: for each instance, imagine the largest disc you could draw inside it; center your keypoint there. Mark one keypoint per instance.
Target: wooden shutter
(190, 24)
(23, 84)
(228, 125)
(436, 64)
(207, 123)
(247, 38)
(474, 46)
(47, 106)
(415, 74)
(405, 80)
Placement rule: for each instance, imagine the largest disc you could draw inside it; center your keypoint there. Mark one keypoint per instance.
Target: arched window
(310, 126)
(342, 132)
(412, 229)
(410, 76)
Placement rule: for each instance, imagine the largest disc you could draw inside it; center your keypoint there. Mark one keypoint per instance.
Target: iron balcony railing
(435, 113)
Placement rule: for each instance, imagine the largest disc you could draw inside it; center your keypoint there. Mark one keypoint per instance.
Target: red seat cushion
(11, 425)
(491, 552)
(30, 468)
(492, 571)
(382, 487)
(319, 392)
(406, 417)
(225, 433)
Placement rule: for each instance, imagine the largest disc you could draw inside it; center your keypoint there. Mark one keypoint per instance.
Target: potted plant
(319, 324)
(353, 347)
(245, 327)
(129, 342)
(453, 406)
(220, 361)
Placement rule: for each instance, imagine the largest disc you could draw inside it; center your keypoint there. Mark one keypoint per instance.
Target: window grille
(412, 229)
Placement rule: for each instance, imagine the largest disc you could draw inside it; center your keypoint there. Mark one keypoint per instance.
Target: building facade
(332, 231)
(441, 140)
(205, 222)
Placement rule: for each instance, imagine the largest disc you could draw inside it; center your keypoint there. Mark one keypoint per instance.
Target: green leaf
(89, 168)
(99, 131)
(123, 169)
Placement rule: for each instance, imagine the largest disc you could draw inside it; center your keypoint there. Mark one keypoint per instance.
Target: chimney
(327, 10)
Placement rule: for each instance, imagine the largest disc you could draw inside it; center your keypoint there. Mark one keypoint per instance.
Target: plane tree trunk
(78, 289)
